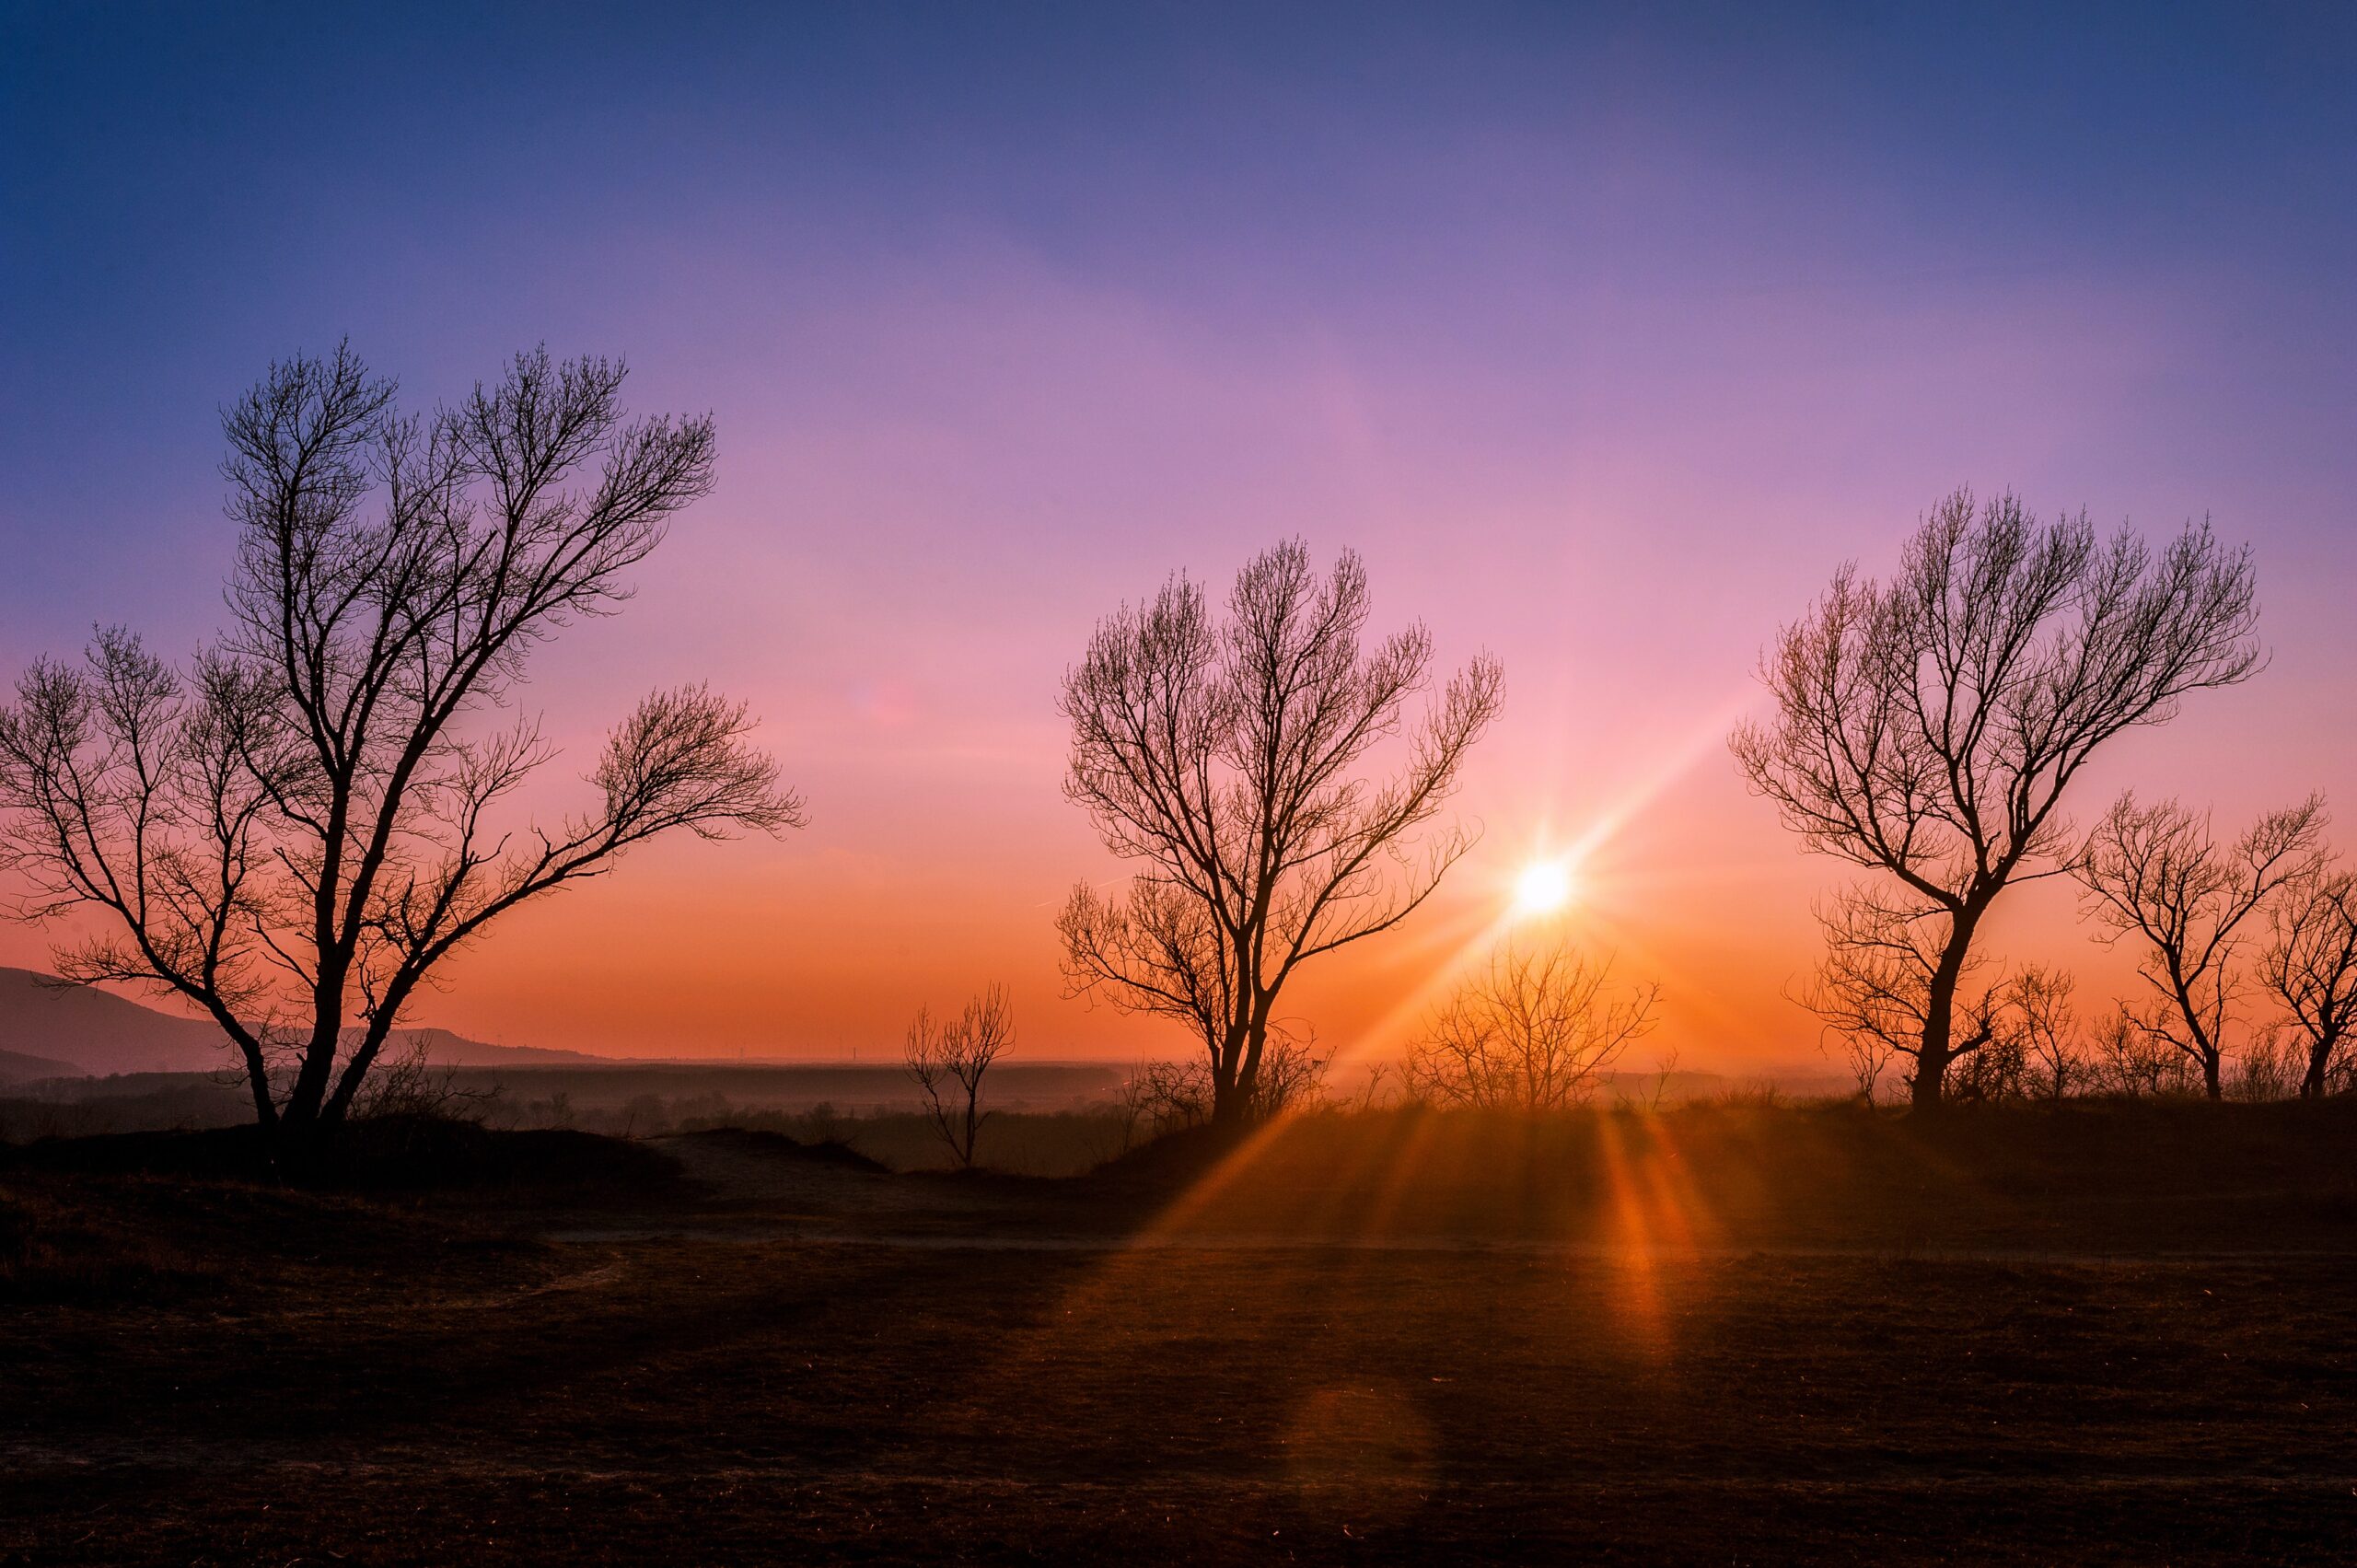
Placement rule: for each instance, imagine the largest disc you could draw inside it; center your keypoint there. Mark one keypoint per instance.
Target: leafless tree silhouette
(2270, 1065)
(1535, 1029)
(294, 830)
(1225, 755)
(1873, 989)
(2032, 1048)
(1292, 1074)
(1169, 1096)
(2041, 1017)
(2127, 1061)
(1927, 728)
(1172, 1095)
(1998, 1071)
(1652, 1093)
(408, 1083)
(1180, 1094)
(2155, 872)
(2310, 966)
(950, 1060)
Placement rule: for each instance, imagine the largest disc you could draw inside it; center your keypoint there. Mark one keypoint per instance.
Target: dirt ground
(1758, 1339)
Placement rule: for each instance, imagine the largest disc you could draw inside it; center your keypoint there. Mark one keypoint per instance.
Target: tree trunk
(1229, 1090)
(2319, 1058)
(1928, 1092)
(314, 1108)
(2206, 1051)
(306, 1100)
(257, 1067)
(1233, 1103)
(363, 1057)
(1229, 1101)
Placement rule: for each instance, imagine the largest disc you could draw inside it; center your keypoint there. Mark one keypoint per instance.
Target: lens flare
(1544, 886)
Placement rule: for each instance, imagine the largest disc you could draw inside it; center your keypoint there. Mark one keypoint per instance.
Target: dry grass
(54, 1251)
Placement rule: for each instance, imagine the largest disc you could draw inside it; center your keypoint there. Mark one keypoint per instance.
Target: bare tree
(1533, 1030)
(2156, 873)
(1869, 1057)
(2310, 966)
(2127, 1061)
(1652, 1093)
(1225, 756)
(1171, 1096)
(1873, 989)
(2271, 1064)
(1999, 1070)
(2041, 1016)
(948, 1061)
(1292, 1074)
(294, 830)
(1373, 1094)
(408, 1082)
(1133, 1104)
(1927, 728)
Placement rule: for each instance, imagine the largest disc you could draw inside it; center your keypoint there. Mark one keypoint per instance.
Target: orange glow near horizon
(988, 359)
(948, 876)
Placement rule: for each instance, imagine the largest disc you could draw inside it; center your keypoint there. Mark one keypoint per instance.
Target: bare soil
(2120, 1334)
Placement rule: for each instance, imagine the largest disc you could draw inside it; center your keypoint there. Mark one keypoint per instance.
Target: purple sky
(1604, 333)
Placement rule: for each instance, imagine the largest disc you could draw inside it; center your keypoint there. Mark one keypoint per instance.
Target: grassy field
(2120, 1334)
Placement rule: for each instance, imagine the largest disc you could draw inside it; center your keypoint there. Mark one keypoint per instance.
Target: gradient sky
(1604, 334)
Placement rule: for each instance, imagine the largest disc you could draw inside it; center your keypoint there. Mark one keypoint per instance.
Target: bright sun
(1544, 886)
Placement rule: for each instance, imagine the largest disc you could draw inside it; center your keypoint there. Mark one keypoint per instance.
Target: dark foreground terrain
(2123, 1334)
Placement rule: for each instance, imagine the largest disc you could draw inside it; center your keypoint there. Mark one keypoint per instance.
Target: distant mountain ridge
(15, 1067)
(50, 1029)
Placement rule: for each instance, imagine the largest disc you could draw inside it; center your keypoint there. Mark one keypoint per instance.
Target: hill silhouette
(15, 1067)
(52, 1028)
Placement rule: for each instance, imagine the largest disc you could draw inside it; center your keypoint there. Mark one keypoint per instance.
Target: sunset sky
(1604, 334)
